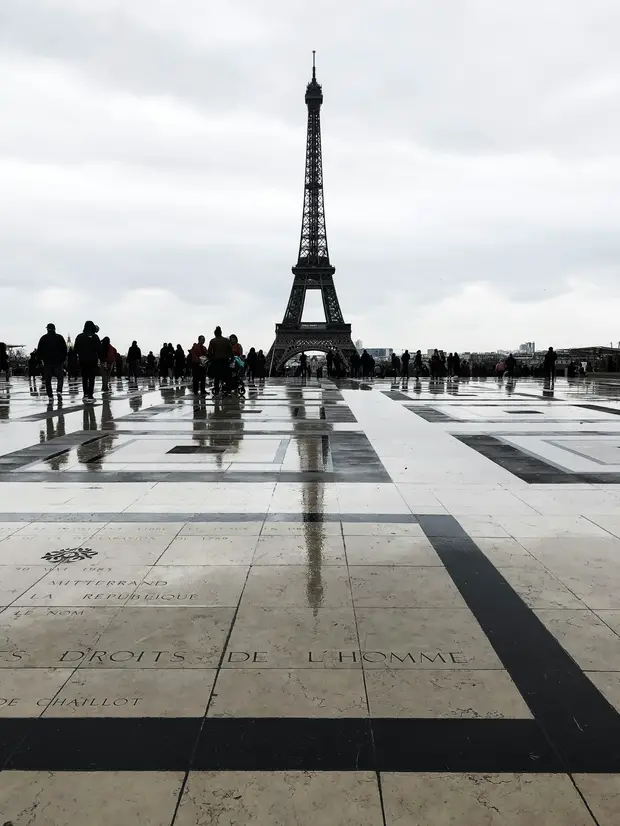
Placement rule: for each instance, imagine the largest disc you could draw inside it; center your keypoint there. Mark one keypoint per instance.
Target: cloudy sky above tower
(151, 167)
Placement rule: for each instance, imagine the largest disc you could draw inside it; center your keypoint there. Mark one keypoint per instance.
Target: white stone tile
(443, 694)
(423, 639)
(540, 589)
(42, 637)
(311, 549)
(312, 585)
(221, 529)
(382, 529)
(589, 639)
(96, 798)
(506, 552)
(403, 587)
(293, 637)
(172, 637)
(391, 550)
(210, 549)
(549, 526)
(601, 792)
(192, 585)
(482, 800)
(279, 692)
(25, 691)
(124, 692)
(281, 799)
(72, 589)
(306, 529)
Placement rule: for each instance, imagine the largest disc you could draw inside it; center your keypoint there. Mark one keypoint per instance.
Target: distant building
(359, 345)
(528, 349)
(379, 352)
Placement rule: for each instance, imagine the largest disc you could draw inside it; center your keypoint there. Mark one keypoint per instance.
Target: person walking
(88, 347)
(198, 355)
(150, 363)
(220, 353)
(52, 351)
(107, 359)
(510, 366)
(404, 360)
(134, 359)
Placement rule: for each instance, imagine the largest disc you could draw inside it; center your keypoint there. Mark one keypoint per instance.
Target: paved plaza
(331, 603)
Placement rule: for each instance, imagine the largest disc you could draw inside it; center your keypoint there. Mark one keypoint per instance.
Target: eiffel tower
(313, 270)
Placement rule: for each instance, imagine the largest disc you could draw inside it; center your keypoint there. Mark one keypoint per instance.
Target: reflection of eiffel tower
(313, 270)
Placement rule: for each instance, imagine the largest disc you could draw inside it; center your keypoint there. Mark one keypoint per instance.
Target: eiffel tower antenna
(313, 270)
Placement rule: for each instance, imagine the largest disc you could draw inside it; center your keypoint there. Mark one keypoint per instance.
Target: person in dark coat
(134, 359)
(261, 365)
(549, 364)
(404, 360)
(52, 351)
(88, 349)
(251, 363)
(179, 363)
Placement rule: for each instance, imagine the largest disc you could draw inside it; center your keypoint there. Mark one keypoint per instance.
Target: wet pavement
(331, 603)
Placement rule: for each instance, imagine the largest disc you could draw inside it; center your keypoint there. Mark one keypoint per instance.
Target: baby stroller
(234, 384)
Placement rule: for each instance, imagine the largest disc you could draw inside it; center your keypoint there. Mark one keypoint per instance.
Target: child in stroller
(237, 371)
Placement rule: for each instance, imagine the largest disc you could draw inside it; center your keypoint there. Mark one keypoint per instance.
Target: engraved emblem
(69, 555)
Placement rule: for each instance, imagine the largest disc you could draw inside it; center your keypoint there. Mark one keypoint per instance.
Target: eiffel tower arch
(313, 270)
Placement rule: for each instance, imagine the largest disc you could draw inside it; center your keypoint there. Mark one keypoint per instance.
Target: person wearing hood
(88, 349)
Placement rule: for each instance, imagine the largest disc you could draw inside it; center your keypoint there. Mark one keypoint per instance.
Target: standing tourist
(417, 363)
(198, 355)
(150, 363)
(251, 364)
(404, 360)
(456, 365)
(549, 364)
(107, 359)
(220, 353)
(52, 351)
(261, 365)
(179, 363)
(134, 360)
(88, 346)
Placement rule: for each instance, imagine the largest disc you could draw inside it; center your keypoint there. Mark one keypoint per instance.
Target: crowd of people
(224, 362)
(90, 356)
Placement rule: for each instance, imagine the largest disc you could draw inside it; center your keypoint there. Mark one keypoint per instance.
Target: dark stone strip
(347, 474)
(582, 727)
(274, 744)
(429, 414)
(600, 408)
(396, 395)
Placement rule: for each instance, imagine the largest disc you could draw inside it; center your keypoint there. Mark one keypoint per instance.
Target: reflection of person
(52, 350)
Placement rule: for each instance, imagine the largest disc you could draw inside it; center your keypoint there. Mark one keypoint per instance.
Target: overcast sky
(152, 154)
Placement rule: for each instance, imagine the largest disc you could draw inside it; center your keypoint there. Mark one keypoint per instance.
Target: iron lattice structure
(313, 270)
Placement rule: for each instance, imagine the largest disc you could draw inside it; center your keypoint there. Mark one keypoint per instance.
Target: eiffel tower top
(314, 91)
(313, 252)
